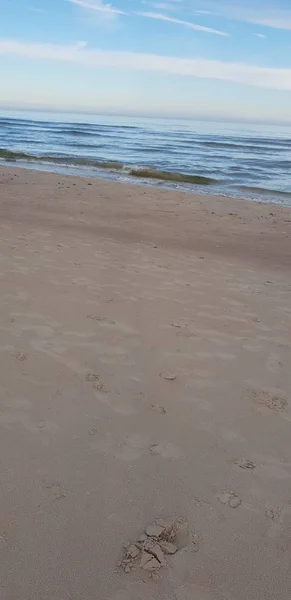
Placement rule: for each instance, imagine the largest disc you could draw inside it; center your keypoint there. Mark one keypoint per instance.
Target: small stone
(154, 531)
(168, 547)
(168, 375)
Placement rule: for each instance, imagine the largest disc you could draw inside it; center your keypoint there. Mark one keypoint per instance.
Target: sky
(208, 59)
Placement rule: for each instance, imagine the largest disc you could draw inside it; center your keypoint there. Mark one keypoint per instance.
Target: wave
(263, 191)
(138, 172)
(147, 173)
(78, 132)
(9, 156)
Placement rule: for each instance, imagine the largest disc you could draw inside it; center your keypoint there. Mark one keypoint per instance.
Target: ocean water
(238, 160)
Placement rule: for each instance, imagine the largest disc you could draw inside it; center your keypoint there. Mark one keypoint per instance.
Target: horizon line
(144, 115)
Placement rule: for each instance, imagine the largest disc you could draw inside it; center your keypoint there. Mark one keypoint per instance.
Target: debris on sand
(245, 463)
(20, 356)
(92, 377)
(159, 540)
(159, 409)
(168, 375)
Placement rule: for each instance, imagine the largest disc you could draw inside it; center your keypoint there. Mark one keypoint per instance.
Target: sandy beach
(145, 374)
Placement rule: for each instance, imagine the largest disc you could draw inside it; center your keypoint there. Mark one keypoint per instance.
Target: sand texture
(145, 407)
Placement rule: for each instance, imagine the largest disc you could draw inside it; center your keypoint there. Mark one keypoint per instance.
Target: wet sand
(145, 374)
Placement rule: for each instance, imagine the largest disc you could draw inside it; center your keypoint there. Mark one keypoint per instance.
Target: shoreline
(145, 374)
(255, 229)
(251, 194)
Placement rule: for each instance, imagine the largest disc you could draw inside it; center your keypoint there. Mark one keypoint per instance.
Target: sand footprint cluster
(158, 541)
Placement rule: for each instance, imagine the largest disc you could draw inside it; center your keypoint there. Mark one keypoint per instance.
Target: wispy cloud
(188, 24)
(261, 35)
(36, 9)
(270, 13)
(80, 54)
(108, 9)
(163, 6)
(97, 5)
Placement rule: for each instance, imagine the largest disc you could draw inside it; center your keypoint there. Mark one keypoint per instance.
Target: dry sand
(145, 374)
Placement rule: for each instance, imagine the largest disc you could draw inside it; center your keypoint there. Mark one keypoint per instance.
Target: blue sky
(218, 59)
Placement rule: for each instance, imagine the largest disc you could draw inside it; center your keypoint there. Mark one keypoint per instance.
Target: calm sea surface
(244, 161)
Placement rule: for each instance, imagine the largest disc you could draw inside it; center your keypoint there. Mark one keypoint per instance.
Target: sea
(228, 159)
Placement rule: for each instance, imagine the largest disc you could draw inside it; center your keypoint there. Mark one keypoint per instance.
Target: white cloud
(188, 24)
(261, 35)
(79, 54)
(97, 5)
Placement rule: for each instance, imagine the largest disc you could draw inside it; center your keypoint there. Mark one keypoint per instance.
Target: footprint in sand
(230, 499)
(244, 463)
(21, 356)
(58, 492)
(159, 409)
(101, 319)
(167, 450)
(266, 399)
(92, 430)
(92, 377)
(273, 513)
(100, 387)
